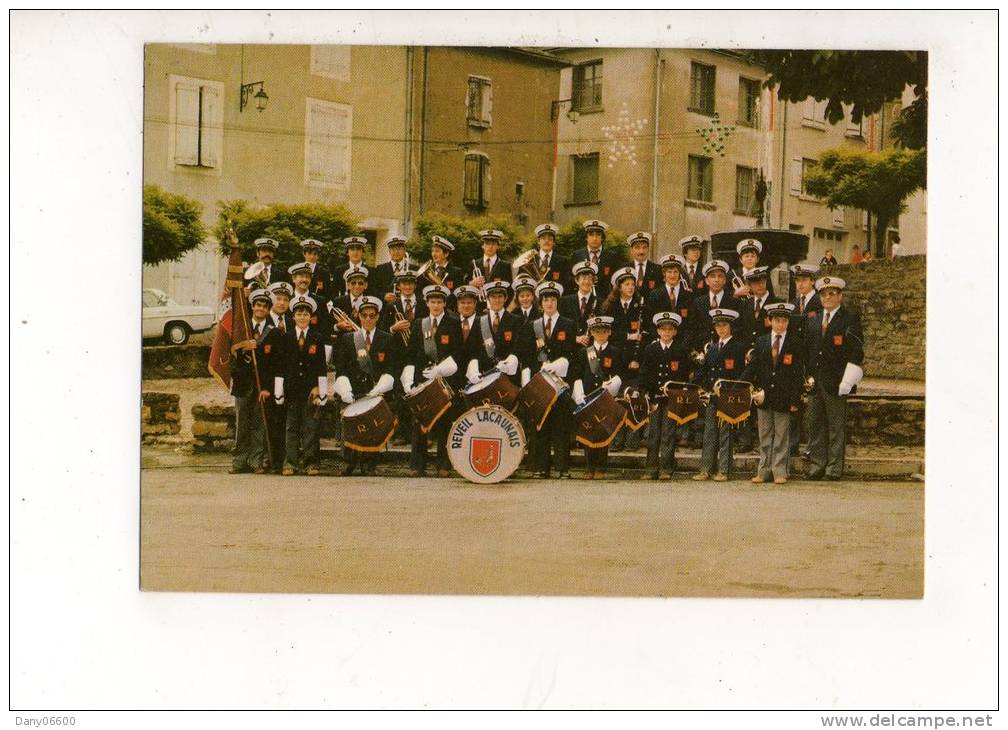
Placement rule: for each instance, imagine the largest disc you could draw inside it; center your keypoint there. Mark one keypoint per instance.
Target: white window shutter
(838, 216)
(487, 102)
(796, 175)
(339, 144)
(808, 111)
(209, 152)
(186, 124)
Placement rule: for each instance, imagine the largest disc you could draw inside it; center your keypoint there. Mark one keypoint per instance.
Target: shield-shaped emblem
(733, 403)
(683, 404)
(484, 455)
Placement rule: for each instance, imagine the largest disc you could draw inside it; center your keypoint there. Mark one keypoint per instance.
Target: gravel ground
(203, 530)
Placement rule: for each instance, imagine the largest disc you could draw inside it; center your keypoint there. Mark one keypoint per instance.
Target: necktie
(486, 267)
(367, 341)
(282, 326)
(626, 308)
(408, 307)
(258, 329)
(301, 340)
(640, 275)
(594, 258)
(692, 271)
(776, 349)
(548, 328)
(440, 271)
(801, 304)
(496, 322)
(713, 301)
(584, 307)
(825, 321)
(433, 330)
(465, 328)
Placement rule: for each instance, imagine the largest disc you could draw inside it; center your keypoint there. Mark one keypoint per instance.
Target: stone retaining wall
(160, 415)
(186, 361)
(890, 296)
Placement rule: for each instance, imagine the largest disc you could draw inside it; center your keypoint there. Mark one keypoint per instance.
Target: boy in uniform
(606, 259)
(692, 250)
(524, 303)
(355, 246)
(251, 393)
(665, 359)
(599, 364)
(321, 280)
(583, 304)
(673, 294)
(554, 265)
(383, 276)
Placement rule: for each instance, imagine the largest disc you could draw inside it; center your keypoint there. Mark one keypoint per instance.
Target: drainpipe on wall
(408, 145)
(654, 160)
(423, 128)
(785, 167)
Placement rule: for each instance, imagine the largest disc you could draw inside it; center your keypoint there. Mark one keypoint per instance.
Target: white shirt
(721, 343)
(276, 319)
(493, 262)
(468, 321)
(600, 347)
(526, 311)
(828, 314)
(410, 300)
(717, 298)
(302, 333)
(758, 303)
(665, 346)
(673, 292)
(436, 321)
(258, 323)
(549, 322)
(774, 335)
(356, 302)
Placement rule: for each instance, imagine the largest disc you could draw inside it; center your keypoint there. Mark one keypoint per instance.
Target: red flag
(228, 330)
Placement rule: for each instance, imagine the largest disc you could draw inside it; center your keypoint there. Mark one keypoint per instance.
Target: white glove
(758, 396)
(383, 386)
(473, 371)
(578, 391)
(548, 367)
(613, 385)
(323, 388)
(509, 365)
(560, 366)
(852, 376)
(446, 368)
(343, 389)
(526, 376)
(328, 354)
(428, 372)
(406, 378)
(278, 395)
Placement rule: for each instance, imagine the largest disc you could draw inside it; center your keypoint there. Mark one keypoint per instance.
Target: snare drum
(599, 419)
(540, 395)
(368, 424)
(495, 389)
(429, 402)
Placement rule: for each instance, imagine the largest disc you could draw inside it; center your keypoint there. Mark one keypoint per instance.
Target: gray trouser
(302, 448)
(661, 440)
(826, 427)
(774, 442)
(249, 451)
(717, 444)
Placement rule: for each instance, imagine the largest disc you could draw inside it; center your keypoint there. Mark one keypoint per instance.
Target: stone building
(483, 133)
(674, 141)
(333, 130)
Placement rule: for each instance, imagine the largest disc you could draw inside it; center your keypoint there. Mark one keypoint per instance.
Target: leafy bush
(288, 225)
(464, 233)
(572, 236)
(172, 225)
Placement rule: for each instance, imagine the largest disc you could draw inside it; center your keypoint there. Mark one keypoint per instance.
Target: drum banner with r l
(734, 401)
(683, 404)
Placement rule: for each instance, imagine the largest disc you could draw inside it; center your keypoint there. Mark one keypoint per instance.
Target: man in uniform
(303, 385)
(301, 275)
(442, 271)
(321, 281)
(490, 267)
(748, 250)
(672, 295)
(753, 323)
(355, 246)
(665, 359)
(555, 340)
(434, 345)
(505, 339)
(806, 306)
(553, 265)
(582, 304)
(712, 296)
(397, 319)
(524, 298)
(599, 364)
(280, 294)
(692, 250)
(834, 356)
(606, 259)
(251, 386)
(724, 359)
(283, 321)
(646, 271)
(466, 302)
(266, 249)
(365, 369)
(383, 276)
(776, 369)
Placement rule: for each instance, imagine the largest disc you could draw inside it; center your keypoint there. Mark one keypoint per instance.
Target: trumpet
(257, 271)
(400, 317)
(478, 274)
(530, 261)
(342, 317)
(749, 355)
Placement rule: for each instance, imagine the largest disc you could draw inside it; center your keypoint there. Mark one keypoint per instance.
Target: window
(824, 234)
(748, 102)
(702, 88)
(331, 61)
(584, 179)
(586, 89)
(476, 185)
(327, 144)
(807, 166)
(700, 185)
(814, 113)
(198, 122)
(855, 130)
(800, 168)
(479, 101)
(745, 185)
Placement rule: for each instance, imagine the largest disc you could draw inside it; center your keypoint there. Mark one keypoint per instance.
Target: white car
(164, 319)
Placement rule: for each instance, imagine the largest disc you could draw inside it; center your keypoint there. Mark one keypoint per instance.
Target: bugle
(342, 317)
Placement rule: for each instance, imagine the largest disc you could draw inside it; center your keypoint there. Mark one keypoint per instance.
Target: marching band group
(549, 338)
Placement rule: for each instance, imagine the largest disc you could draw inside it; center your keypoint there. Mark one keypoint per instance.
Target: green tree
(572, 236)
(172, 225)
(286, 224)
(464, 234)
(864, 79)
(879, 182)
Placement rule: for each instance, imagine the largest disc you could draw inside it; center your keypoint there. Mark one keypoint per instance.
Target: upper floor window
(745, 188)
(479, 101)
(584, 188)
(328, 128)
(197, 117)
(700, 185)
(586, 89)
(476, 183)
(702, 79)
(331, 61)
(814, 113)
(748, 102)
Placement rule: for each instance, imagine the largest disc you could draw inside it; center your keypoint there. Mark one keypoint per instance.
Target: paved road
(203, 530)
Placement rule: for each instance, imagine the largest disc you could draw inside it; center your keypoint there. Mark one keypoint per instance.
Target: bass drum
(495, 389)
(598, 419)
(368, 424)
(540, 395)
(429, 401)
